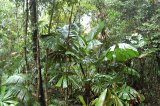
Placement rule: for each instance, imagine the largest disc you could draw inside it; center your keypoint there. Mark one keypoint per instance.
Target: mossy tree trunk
(36, 51)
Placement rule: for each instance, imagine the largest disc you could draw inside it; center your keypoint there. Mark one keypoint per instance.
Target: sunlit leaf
(60, 82)
(121, 52)
(95, 31)
(93, 102)
(101, 99)
(82, 100)
(64, 81)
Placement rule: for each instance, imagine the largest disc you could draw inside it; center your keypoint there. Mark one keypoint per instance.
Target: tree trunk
(46, 61)
(25, 37)
(87, 92)
(36, 52)
(0, 80)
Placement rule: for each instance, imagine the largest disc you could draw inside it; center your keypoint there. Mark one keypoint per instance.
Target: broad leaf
(121, 52)
(101, 99)
(64, 81)
(82, 100)
(95, 31)
(92, 44)
(60, 82)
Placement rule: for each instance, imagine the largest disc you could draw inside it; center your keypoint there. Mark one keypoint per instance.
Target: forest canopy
(79, 52)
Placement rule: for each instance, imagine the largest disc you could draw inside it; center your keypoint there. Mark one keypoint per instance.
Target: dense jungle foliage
(79, 52)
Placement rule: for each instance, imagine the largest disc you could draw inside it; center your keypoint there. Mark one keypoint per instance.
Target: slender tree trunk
(46, 61)
(51, 17)
(87, 86)
(46, 78)
(25, 37)
(87, 95)
(36, 52)
(0, 80)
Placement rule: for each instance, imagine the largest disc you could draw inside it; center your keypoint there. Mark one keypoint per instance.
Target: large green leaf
(121, 52)
(60, 82)
(95, 31)
(92, 103)
(101, 99)
(64, 81)
(118, 102)
(93, 43)
(82, 100)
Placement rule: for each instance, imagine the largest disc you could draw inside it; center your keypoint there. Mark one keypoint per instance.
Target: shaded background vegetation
(43, 45)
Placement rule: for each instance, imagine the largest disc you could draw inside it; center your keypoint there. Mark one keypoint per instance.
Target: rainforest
(79, 52)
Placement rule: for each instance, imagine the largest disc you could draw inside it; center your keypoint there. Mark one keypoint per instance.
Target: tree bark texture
(36, 51)
(25, 37)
